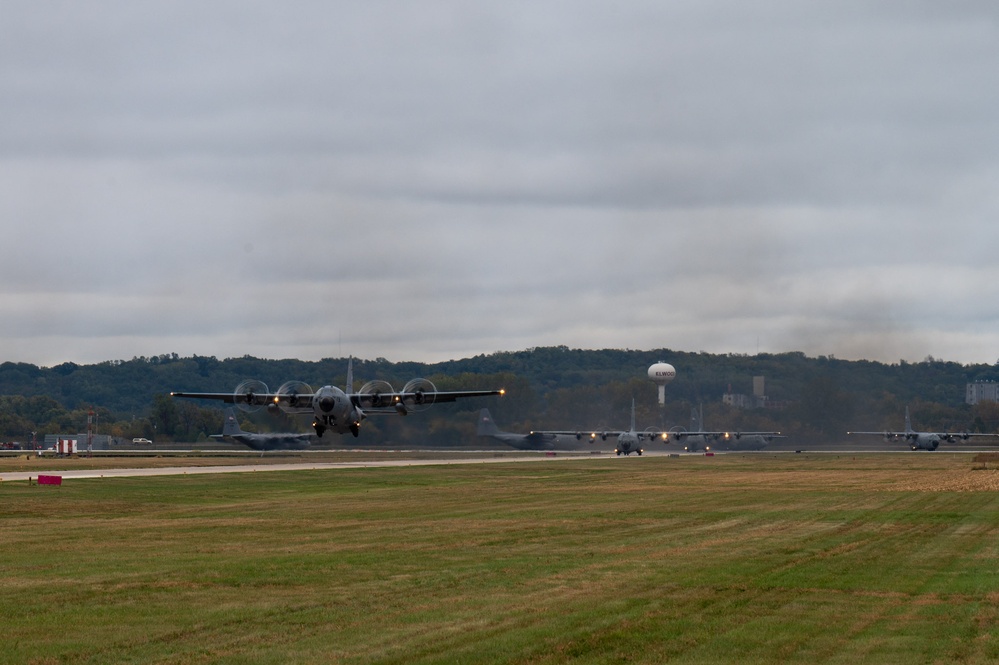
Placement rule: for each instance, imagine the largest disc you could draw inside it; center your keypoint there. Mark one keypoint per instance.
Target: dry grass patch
(756, 558)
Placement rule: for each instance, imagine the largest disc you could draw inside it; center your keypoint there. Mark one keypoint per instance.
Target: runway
(79, 474)
(75, 474)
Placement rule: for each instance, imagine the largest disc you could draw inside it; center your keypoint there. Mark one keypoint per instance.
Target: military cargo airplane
(627, 442)
(697, 438)
(268, 441)
(337, 410)
(922, 440)
(533, 441)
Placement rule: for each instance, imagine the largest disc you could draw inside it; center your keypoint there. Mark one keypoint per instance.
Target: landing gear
(319, 429)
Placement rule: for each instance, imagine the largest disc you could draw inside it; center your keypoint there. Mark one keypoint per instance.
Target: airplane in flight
(699, 439)
(339, 410)
(269, 441)
(627, 442)
(922, 440)
(533, 441)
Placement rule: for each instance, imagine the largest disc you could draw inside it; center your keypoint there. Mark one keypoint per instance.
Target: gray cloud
(437, 180)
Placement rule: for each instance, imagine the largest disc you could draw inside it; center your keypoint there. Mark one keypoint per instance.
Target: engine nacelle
(376, 394)
(292, 395)
(419, 394)
(250, 395)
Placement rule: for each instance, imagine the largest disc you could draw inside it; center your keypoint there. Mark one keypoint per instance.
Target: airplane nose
(327, 403)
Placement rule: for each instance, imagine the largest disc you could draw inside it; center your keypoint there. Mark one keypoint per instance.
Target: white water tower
(662, 373)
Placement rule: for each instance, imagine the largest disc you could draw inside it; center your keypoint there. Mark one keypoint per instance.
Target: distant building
(982, 391)
(738, 400)
(758, 400)
(100, 441)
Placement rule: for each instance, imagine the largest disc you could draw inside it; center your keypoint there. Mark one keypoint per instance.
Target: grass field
(755, 558)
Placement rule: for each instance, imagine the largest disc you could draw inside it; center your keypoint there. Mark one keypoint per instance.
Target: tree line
(547, 388)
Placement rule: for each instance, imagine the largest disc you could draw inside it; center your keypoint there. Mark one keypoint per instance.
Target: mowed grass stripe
(756, 558)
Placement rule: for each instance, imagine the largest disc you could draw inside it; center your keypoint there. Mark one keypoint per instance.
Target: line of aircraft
(343, 410)
(628, 441)
(700, 439)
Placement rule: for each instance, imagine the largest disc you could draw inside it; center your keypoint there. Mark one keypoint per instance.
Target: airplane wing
(389, 402)
(448, 396)
(685, 433)
(592, 435)
(292, 403)
(254, 399)
(373, 401)
(603, 435)
(722, 434)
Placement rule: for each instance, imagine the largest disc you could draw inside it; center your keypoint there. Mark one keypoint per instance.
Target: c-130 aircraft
(697, 438)
(265, 441)
(337, 410)
(627, 441)
(922, 440)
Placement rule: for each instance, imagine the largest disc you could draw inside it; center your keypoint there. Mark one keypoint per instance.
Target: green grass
(748, 558)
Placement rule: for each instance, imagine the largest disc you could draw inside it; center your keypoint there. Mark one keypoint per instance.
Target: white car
(141, 440)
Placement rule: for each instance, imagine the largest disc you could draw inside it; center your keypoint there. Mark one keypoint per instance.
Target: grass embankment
(755, 558)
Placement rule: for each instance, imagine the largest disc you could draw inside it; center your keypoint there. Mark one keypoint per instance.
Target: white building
(982, 391)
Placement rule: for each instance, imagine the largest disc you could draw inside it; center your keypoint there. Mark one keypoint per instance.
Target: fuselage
(923, 440)
(274, 441)
(697, 442)
(334, 411)
(628, 442)
(535, 441)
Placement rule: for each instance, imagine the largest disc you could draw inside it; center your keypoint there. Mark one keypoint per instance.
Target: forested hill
(549, 387)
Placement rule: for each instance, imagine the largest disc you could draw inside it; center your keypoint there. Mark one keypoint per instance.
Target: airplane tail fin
(908, 423)
(632, 414)
(487, 427)
(697, 419)
(231, 426)
(350, 376)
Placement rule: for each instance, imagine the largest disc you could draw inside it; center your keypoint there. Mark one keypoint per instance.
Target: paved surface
(247, 468)
(358, 464)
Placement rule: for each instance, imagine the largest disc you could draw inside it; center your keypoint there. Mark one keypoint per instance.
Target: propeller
(422, 394)
(677, 432)
(250, 395)
(376, 394)
(291, 395)
(654, 433)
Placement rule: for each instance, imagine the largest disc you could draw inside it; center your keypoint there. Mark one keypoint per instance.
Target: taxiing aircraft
(627, 442)
(533, 441)
(337, 410)
(268, 441)
(699, 439)
(922, 440)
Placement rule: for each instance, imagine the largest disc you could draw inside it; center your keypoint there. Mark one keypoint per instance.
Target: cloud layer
(436, 180)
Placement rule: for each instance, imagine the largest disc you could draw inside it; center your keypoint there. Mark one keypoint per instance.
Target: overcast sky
(438, 179)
